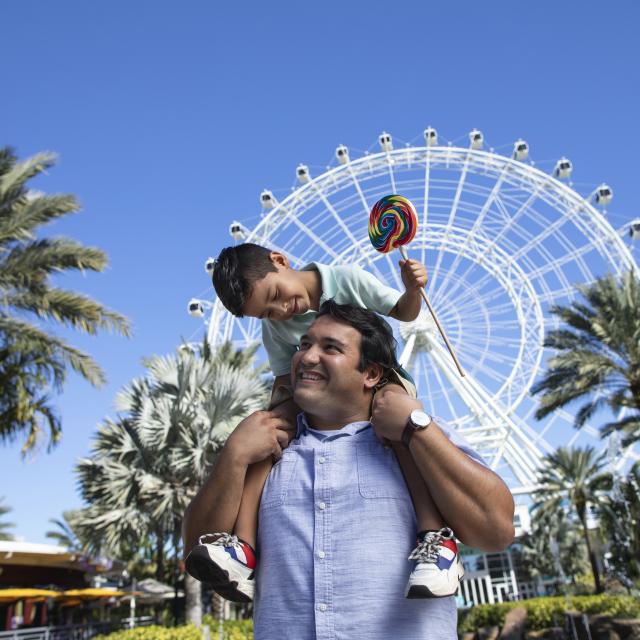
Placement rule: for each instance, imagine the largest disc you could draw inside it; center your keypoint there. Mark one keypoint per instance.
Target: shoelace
(221, 539)
(427, 549)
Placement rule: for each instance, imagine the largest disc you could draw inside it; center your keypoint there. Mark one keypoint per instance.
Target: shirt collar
(330, 434)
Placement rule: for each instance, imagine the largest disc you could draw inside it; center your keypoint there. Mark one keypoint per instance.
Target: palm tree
(622, 525)
(65, 534)
(32, 360)
(148, 464)
(4, 526)
(551, 547)
(570, 480)
(598, 356)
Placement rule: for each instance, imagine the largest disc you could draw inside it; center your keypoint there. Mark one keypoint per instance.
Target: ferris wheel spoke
(337, 217)
(452, 410)
(491, 198)
(392, 178)
(425, 206)
(495, 240)
(452, 214)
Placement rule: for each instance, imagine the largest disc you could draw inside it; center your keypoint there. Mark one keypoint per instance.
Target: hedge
(546, 612)
(233, 630)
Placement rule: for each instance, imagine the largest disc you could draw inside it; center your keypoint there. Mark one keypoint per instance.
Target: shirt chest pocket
(279, 481)
(379, 474)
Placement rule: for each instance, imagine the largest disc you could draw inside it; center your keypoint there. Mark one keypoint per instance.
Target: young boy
(251, 280)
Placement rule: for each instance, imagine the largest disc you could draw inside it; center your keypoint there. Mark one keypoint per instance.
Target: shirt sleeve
(460, 441)
(374, 294)
(278, 350)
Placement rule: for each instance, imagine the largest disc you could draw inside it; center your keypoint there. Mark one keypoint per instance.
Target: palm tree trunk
(160, 555)
(592, 555)
(193, 600)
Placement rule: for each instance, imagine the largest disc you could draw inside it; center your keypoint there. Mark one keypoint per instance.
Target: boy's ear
(373, 373)
(279, 259)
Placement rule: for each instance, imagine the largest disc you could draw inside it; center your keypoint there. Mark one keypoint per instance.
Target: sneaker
(226, 563)
(438, 568)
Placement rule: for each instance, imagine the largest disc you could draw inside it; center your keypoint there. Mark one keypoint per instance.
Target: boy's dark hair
(235, 272)
(378, 344)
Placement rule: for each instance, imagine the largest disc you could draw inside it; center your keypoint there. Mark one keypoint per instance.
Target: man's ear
(373, 373)
(279, 259)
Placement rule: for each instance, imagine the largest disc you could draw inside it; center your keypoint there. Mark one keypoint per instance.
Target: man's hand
(391, 411)
(260, 435)
(414, 275)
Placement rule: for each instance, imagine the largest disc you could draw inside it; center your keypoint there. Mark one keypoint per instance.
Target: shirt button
(321, 554)
(321, 459)
(322, 506)
(322, 607)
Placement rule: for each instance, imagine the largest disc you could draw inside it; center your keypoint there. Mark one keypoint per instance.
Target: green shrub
(546, 612)
(187, 632)
(233, 629)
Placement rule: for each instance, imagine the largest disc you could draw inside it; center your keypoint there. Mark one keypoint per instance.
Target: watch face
(420, 419)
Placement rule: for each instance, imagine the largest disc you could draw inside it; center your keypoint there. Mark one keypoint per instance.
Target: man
(336, 519)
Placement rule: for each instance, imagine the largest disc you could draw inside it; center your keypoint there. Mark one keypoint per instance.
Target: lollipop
(393, 223)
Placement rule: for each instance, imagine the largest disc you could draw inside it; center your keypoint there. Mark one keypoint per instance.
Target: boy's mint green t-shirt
(346, 284)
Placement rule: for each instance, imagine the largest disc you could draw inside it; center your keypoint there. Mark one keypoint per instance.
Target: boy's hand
(414, 274)
(260, 435)
(391, 413)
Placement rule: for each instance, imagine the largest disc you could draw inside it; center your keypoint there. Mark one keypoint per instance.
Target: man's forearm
(215, 507)
(472, 499)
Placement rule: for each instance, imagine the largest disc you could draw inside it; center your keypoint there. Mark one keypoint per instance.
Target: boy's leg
(427, 514)
(247, 522)
(227, 562)
(438, 568)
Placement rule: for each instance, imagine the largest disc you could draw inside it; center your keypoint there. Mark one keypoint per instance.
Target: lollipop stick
(435, 319)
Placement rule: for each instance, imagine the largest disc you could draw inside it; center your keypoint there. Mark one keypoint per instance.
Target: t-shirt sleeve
(460, 441)
(374, 294)
(278, 350)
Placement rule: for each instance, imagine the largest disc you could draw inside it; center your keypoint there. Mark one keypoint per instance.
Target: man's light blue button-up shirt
(336, 525)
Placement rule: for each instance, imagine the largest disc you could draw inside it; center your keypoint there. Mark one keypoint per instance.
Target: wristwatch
(418, 421)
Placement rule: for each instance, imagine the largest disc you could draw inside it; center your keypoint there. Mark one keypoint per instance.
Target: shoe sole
(200, 566)
(419, 591)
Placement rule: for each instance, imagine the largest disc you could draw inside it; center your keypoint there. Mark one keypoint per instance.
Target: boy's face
(280, 294)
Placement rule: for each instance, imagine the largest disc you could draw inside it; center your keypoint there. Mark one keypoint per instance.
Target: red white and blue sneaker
(438, 568)
(226, 563)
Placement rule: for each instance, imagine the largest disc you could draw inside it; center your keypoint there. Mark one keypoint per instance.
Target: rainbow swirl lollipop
(392, 223)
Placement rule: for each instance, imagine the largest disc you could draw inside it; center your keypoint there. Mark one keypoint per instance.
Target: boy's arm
(282, 399)
(414, 278)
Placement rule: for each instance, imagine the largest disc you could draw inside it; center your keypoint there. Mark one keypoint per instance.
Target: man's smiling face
(325, 371)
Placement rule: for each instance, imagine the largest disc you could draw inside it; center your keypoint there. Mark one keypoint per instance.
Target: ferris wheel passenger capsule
(238, 231)
(195, 308)
(563, 168)
(430, 137)
(209, 265)
(520, 150)
(342, 153)
(603, 195)
(386, 143)
(267, 200)
(634, 229)
(476, 139)
(302, 173)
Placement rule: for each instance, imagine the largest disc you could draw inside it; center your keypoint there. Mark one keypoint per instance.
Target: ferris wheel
(503, 242)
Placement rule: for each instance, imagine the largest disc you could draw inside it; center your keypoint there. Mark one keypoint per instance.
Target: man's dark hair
(235, 272)
(378, 344)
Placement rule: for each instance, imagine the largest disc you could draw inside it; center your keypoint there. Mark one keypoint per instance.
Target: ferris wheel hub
(423, 328)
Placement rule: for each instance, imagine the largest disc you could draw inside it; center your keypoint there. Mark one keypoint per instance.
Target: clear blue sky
(171, 117)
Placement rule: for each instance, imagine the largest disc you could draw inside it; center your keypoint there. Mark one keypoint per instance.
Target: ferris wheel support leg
(523, 459)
